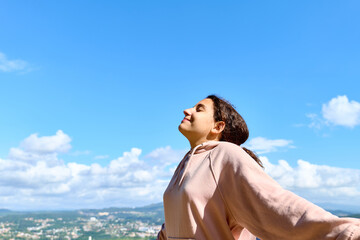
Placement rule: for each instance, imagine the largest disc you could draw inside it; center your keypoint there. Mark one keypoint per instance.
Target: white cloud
(7, 65)
(35, 178)
(166, 155)
(34, 149)
(58, 143)
(18, 154)
(263, 145)
(341, 111)
(319, 183)
(164, 160)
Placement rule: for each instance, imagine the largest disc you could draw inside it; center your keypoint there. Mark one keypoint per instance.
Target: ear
(218, 127)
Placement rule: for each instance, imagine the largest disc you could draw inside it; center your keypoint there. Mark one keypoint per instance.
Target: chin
(182, 130)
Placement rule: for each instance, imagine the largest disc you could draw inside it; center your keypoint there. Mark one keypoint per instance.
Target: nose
(188, 111)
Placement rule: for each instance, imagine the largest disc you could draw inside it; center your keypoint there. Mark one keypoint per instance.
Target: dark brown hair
(236, 130)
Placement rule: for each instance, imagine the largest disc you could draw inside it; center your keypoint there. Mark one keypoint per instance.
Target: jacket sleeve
(262, 206)
(162, 234)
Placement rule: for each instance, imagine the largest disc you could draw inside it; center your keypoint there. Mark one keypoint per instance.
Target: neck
(200, 141)
(194, 144)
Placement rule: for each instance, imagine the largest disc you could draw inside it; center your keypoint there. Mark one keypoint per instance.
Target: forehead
(206, 103)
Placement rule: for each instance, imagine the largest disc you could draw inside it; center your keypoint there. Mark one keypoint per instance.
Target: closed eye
(200, 107)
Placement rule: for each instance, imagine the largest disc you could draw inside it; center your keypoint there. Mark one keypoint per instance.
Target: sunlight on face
(198, 122)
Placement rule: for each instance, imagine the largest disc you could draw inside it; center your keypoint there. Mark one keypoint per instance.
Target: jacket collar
(206, 146)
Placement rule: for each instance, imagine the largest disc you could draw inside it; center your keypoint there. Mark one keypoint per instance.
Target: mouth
(185, 120)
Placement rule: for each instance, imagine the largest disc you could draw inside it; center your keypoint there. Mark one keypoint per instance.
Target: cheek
(206, 124)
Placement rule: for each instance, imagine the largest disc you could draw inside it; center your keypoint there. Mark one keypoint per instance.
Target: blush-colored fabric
(218, 192)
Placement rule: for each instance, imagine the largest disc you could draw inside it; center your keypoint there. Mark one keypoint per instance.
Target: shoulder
(230, 161)
(229, 149)
(229, 153)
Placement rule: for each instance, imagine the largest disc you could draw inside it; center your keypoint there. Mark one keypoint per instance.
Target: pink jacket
(219, 192)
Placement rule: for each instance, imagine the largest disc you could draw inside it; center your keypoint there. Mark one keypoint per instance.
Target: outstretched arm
(262, 206)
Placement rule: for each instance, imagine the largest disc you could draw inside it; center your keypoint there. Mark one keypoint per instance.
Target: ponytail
(254, 156)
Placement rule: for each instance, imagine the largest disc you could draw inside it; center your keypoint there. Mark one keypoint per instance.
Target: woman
(219, 192)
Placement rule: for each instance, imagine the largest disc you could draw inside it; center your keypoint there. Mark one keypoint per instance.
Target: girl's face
(198, 122)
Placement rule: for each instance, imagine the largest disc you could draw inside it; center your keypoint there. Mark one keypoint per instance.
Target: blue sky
(116, 75)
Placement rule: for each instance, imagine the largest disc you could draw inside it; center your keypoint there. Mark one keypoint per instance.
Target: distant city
(90, 224)
(111, 223)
